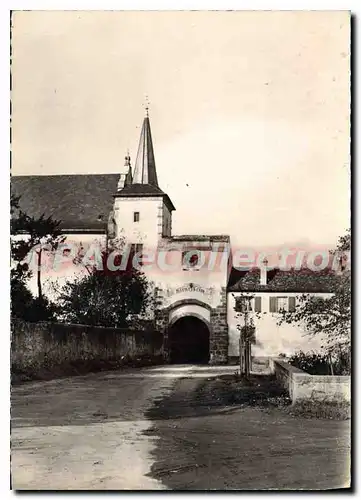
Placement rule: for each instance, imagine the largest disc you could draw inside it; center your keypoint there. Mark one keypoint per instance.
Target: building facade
(195, 285)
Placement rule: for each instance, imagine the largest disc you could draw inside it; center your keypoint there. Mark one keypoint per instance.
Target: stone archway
(214, 317)
(189, 340)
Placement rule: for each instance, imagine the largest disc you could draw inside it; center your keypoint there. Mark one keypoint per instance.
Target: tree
(43, 234)
(344, 242)
(104, 297)
(27, 307)
(30, 234)
(329, 317)
(247, 331)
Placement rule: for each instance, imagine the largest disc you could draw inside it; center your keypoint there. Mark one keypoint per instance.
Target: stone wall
(162, 320)
(219, 334)
(303, 386)
(38, 346)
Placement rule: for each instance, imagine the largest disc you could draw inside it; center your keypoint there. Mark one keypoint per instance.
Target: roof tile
(303, 281)
(80, 201)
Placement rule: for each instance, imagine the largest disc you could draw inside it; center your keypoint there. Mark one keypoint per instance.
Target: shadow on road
(192, 397)
(222, 434)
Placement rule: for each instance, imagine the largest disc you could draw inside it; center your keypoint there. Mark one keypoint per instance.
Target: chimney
(263, 272)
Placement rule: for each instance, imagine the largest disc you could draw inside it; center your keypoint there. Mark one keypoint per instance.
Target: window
(278, 304)
(248, 304)
(282, 303)
(191, 260)
(291, 304)
(244, 304)
(258, 304)
(136, 216)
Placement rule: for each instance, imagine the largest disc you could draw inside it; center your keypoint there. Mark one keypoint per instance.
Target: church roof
(303, 281)
(82, 202)
(201, 237)
(144, 170)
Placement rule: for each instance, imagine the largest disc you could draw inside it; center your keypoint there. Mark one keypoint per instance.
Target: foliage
(329, 318)
(312, 363)
(248, 333)
(43, 234)
(30, 234)
(39, 233)
(21, 297)
(247, 336)
(320, 410)
(246, 315)
(105, 298)
(344, 242)
(27, 307)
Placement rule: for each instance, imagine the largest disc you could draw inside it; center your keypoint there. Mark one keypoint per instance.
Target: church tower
(142, 211)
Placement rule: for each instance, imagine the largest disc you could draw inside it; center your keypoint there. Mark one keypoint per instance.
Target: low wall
(301, 385)
(39, 346)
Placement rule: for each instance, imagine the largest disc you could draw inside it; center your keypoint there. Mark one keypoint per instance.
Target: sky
(249, 112)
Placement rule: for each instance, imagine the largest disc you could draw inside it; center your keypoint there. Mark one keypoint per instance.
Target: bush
(312, 363)
(321, 410)
(319, 364)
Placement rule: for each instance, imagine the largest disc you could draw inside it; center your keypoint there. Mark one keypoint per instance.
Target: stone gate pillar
(219, 332)
(161, 322)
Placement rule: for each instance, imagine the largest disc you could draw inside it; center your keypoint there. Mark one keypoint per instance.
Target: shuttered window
(291, 304)
(282, 304)
(243, 304)
(258, 304)
(273, 304)
(279, 304)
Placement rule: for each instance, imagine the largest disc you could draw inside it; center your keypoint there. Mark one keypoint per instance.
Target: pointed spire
(128, 177)
(144, 171)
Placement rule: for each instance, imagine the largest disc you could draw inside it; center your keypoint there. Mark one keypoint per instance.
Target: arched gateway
(194, 331)
(189, 332)
(188, 339)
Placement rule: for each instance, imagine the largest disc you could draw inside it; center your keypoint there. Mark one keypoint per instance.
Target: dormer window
(136, 216)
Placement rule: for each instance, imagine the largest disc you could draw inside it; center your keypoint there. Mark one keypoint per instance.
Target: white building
(196, 284)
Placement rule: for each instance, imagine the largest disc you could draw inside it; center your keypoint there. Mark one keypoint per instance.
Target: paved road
(154, 429)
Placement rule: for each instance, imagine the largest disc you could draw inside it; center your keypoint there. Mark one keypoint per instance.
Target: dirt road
(204, 445)
(152, 429)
